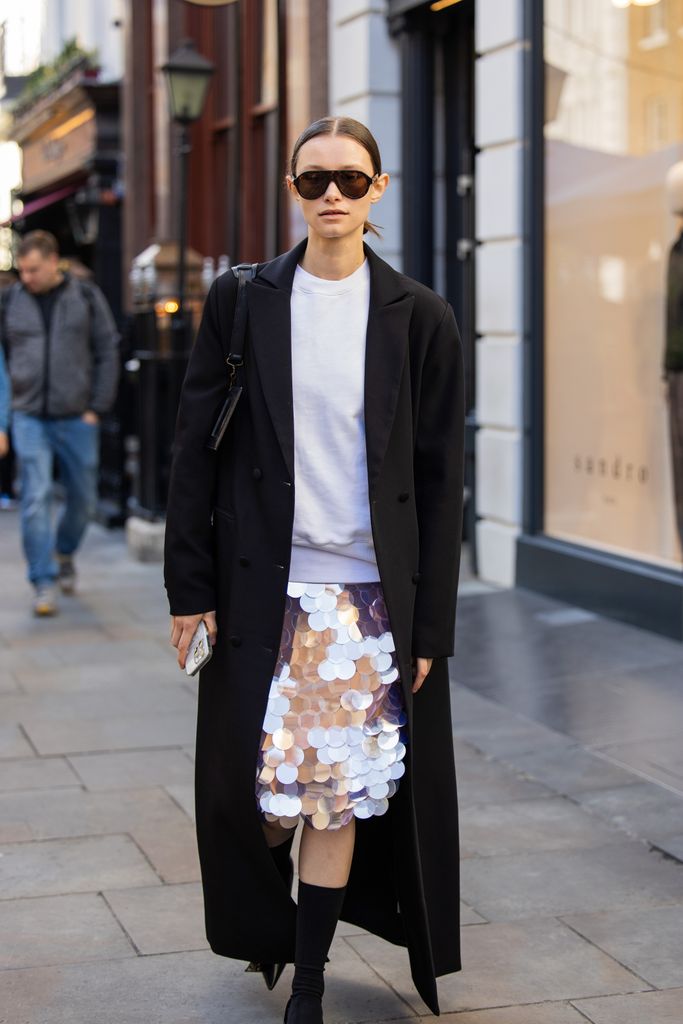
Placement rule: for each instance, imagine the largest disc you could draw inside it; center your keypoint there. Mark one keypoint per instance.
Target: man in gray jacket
(62, 354)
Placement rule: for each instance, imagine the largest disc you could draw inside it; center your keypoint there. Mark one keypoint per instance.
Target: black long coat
(228, 541)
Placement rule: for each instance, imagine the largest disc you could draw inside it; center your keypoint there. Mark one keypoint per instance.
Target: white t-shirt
(332, 538)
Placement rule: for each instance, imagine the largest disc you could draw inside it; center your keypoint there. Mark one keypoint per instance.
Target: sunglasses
(314, 184)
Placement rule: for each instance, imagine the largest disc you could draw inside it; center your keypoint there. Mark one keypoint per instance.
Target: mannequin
(673, 353)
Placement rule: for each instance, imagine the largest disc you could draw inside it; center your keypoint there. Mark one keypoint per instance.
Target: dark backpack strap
(4, 308)
(88, 295)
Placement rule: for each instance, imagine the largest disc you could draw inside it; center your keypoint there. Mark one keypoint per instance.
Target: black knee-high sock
(282, 856)
(318, 911)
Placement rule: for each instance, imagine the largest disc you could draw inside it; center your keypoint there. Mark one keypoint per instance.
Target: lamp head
(187, 76)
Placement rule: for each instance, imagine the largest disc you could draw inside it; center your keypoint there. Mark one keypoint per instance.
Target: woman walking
(320, 545)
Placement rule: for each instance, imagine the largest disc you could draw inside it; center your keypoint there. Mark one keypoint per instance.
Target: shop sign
(60, 152)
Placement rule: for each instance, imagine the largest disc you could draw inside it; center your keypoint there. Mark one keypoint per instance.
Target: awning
(34, 205)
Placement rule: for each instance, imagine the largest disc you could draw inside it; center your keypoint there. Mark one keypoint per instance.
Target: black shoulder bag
(235, 360)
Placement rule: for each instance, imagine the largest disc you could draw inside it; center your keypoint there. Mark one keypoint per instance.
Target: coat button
(236, 641)
(244, 561)
(416, 577)
(287, 483)
(403, 496)
(278, 565)
(256, 473)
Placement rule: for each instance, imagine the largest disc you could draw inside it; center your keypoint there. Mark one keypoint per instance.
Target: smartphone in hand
(200, 650)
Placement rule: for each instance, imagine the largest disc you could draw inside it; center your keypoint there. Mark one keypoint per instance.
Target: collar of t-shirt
(305, 282)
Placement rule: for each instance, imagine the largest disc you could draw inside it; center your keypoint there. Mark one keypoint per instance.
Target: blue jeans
(75, 445)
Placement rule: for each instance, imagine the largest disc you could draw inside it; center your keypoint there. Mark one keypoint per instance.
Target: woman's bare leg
(325, 857)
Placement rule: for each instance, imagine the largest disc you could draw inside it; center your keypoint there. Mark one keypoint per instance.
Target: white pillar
(364, 71)
(500, 282)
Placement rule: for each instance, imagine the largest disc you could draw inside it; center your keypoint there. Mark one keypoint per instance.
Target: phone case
(200, 650)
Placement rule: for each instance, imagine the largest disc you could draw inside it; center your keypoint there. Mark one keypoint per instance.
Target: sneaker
(45, 602)
(67, 574)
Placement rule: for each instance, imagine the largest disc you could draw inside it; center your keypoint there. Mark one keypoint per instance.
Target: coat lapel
(385, 354)
(270, 337)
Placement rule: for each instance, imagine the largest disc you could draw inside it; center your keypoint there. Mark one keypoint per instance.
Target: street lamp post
(187, 76)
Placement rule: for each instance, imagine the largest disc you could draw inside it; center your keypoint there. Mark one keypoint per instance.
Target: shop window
(225, 154)
(657, 17)
(656, 122)
(611, 461)
(262, 138)
(656, 22)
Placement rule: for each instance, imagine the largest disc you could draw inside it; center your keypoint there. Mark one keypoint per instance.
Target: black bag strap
(235, 359)
(243, 272)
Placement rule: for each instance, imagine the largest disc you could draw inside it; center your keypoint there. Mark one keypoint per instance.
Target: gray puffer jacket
(76, 367)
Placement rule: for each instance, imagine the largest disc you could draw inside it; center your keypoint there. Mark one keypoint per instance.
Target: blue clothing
(75, 444)
(4, 394)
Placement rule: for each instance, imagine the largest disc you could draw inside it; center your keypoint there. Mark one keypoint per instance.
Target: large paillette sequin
(333, 744)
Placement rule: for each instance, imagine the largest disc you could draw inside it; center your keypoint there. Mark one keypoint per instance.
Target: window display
(614, 276)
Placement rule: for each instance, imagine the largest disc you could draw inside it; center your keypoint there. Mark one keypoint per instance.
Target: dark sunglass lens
(353, 184)
(312, 184)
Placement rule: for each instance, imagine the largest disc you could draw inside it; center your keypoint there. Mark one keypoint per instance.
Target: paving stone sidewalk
(567, 735)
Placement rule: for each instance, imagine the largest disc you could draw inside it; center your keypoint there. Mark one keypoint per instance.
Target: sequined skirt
(333, 744)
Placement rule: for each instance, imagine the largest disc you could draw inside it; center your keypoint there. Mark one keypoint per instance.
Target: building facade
(270, 79)
(529, 145)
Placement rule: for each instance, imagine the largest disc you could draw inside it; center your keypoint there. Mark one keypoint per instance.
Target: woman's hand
(184, 627)
(421, 667)
(4, 444)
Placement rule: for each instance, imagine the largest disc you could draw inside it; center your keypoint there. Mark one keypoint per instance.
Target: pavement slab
(60, 813)
(672, 846)
(647, 941)
(563, 882)
(571, 770)
(132, 769)
(183, 794)
(186, 988)
(463, 751)
(469, 916)
(567, 730)
(61, 866)
(89, 706)
(482, 780)
(8, 682)
(524, 649)
(540, 1013)
(543, 824)
(661, 760)
(88, 677)
(503, 964)
(171, 848)
(499, 732)
(642, 809)
(59, 930)
(161, 918)
(117, 732)
(648, 1008)
(13, 742)
(37, 773)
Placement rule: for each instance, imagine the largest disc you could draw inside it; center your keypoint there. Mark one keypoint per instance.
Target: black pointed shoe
(272, 972)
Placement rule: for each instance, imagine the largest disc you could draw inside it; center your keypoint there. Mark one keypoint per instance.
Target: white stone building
(528, 143)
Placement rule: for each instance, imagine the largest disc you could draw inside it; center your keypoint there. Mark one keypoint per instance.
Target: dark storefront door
(437, 69)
